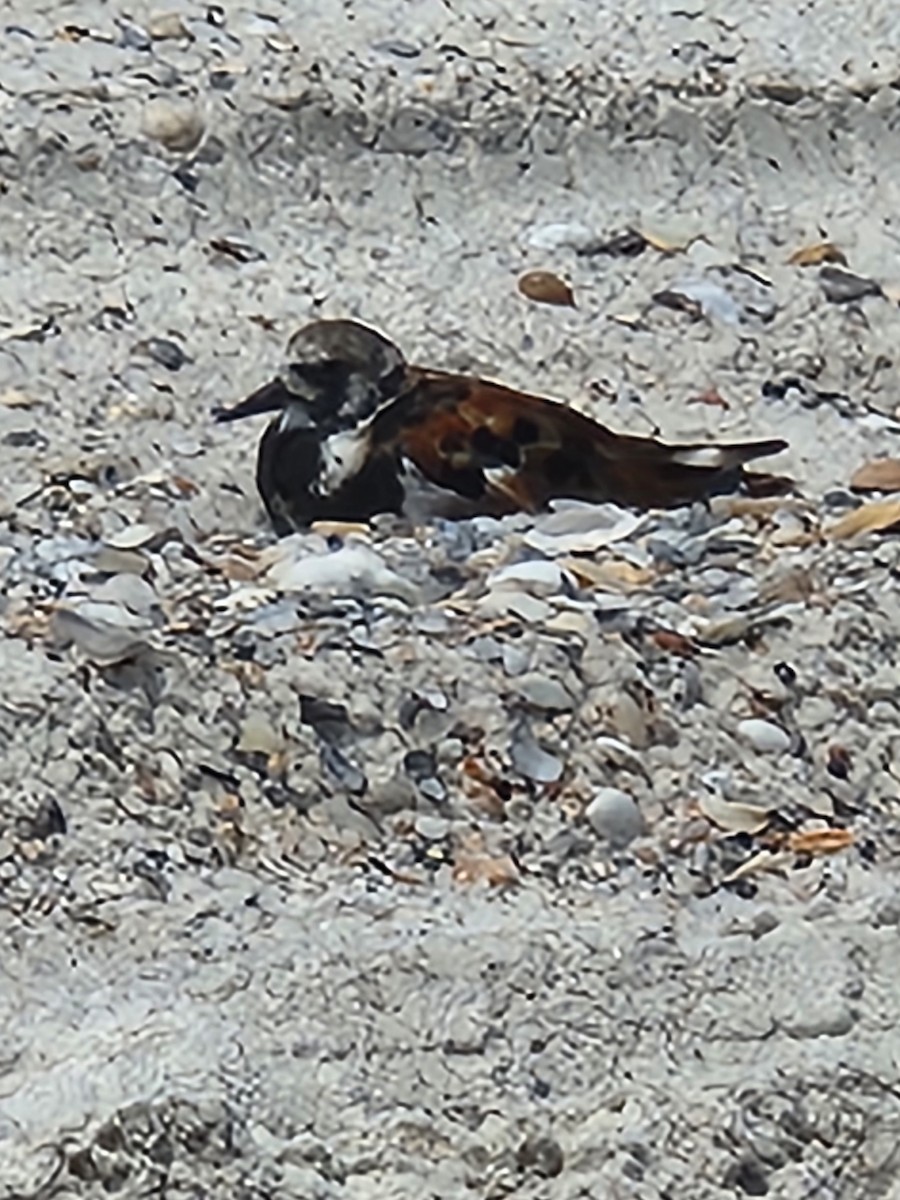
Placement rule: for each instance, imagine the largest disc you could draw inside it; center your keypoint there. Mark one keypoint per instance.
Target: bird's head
(335, 376)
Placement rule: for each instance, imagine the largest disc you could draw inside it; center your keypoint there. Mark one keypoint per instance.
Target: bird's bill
(271, 397)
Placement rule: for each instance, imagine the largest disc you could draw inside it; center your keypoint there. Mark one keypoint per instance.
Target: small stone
(259, 736)
(135, 38)
(748, 1177)
(763, 922)
(165, 352)
(614, 816)
(176, 125)
(629, 719)
(515, 660)
(419, 764)
(826, 1016)
(432, 789)
(450, 751)
(530, 760)
(764, 736)
(168, 26)
(542, 1156)
(25, 438)
(543, 692)
(487, 649)
(887, 910)
(432, 828)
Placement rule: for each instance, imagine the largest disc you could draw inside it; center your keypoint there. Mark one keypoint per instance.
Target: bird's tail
(724, 457)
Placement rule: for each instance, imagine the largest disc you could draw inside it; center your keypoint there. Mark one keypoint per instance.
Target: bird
(337, 372)
(359, 429)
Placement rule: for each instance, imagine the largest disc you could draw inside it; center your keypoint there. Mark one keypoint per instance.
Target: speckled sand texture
(469, 862)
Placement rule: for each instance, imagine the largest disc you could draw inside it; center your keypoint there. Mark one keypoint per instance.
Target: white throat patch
(342, 456)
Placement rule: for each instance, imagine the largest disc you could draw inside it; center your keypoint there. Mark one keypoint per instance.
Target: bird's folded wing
(484, 439)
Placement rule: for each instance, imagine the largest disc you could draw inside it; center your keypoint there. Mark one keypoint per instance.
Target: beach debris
(546, 288)
(816, 254)
(881, 475)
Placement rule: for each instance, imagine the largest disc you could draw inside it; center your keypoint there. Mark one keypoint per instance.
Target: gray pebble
(432, 789)
(614, 816)
(134, 38)
(419, 765)
(533, 762)
(166, 352)
(486, 649)
(515, 659)
(543, 692)
(886, 910)
(449, 751)
(542, 1156)
(764, 736)
(432, 828)
(826, 1017)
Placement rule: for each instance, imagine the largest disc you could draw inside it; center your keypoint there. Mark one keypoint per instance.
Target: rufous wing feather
(482, 439)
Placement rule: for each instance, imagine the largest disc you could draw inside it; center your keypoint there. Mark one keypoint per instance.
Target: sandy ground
(282, 1005)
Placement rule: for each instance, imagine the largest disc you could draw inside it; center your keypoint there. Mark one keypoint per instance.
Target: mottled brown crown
(342, 371)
